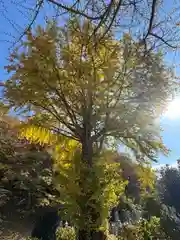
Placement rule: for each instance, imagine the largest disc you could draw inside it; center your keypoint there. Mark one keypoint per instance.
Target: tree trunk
(87, 152)
(92, 217)
(87, 210)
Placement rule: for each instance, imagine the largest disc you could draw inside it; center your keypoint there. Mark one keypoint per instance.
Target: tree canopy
(86, 96)
(90, 93)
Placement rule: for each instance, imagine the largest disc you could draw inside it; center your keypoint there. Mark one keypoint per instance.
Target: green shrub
(111, 237)
(30, 238)
(67, 233)
(143, 230)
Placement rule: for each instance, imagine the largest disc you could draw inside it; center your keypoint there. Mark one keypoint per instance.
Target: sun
(173, 109)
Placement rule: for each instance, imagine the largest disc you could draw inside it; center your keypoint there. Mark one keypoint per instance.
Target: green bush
(111, 237)
(144, 230)
(67, 233)
(30, 238)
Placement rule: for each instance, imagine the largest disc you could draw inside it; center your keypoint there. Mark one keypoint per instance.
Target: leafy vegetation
(144, 230)
(66, 234)
(135, 200)
(86, 99)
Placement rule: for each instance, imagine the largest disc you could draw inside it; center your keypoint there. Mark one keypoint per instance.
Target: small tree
(94, 94)
(168, 186)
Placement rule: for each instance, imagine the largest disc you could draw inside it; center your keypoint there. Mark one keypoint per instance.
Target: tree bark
(87, 233)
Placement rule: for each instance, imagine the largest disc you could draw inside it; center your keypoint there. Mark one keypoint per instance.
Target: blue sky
(170, 136)
(171, 133)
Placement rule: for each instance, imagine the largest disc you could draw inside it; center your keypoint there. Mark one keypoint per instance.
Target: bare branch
(38, 7)
(163, 40)
(112, 20)
(118, 15)
(153, 12)
(75, 11)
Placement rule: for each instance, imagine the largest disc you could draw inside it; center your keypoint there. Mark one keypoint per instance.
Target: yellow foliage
(36, 134)
(146, 177)
(63, 147)
(103, 184)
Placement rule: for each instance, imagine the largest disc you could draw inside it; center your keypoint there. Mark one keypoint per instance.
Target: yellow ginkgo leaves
(63, 147)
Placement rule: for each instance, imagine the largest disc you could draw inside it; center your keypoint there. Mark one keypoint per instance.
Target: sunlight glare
(173, 109)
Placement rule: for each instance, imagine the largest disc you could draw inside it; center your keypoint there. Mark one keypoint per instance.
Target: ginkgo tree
(95, 94)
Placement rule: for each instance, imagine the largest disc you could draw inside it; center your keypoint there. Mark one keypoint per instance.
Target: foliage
(68, 172)
(32, 170)
(9, 159)
(128, 211)
(67, 233)
(129, 172)
(169, 187)
(29, 238)
(103, 182)
(168, 184)
(151, 206)
(8, 137)
(141, 177)
(61, 147)
(24, 168)
(138, 191)
(86, 96)
(170, 222)
(144, 230)
(67, 80)
(146, 176)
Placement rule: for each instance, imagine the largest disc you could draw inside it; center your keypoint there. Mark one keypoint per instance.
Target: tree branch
(28, 28)
(75, 11)
(56, 115)
(112, 20)
(153, 11)
(164, 41)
